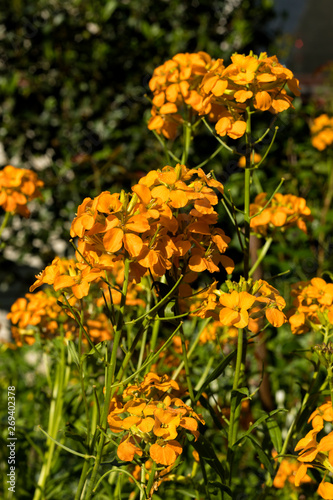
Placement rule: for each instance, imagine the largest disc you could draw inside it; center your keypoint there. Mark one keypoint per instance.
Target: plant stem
(263, 252)
(247, 182)
(60, 383)
(235, 403)
(187, 368)
(109, 380)
(187, 142)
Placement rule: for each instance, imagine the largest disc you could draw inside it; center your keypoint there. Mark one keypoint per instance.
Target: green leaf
(216, 373)
(256, 424)
(186, 493)
(275, 433)
(263, 457)
(213, 485)
(207, 453)
(73, 353)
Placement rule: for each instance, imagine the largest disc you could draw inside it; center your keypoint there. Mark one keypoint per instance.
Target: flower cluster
(154, 420)
(312, 306)
(282, 211)
(222, 92)
(42, 314)
(287, 473)
(317, 454)
(175, 84)
(18, 186)
(322, 132)
(243, 305)
(165, 224)
(67, 273)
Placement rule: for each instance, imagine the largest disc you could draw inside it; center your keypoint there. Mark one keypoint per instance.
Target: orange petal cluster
(312, 306)
(154, 420)
(286, 473)
(322, 132)
(207, 87)
(245, 304)
(317, 453)
(18, 186)
(282, 212)
(67, 273)
(41, 314)
(166, 222)
(255, 81)
(175, 85)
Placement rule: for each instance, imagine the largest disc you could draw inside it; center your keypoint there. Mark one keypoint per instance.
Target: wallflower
(315, 453)
(322, 132)
(255, 81)
(286, 473)
(175, 84)
(312, 306)
(166, 222)
(40, 313)
(152, 414)
(64, 274)
(244, 305)
(18, 186)
(255, 159)
(283, 211)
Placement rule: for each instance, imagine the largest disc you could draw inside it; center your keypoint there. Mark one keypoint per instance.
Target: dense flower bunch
(287, 473)
(154, 420)
(244, 305)
(165, 224)
(175, 84)
(283, 211)
(315, 453)
(256, 81)
(312, 306)
(18, 186)
(41, 313)
(322, 132)
(68, 273)
(221, 92)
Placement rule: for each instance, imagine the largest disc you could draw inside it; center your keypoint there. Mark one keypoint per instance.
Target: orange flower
(235, 308)
(175, 84)
(248, 81)
(283, 211)
(18, 186)
(325, 490)
(322, 132)
(153, 416)
(166, 453)
(128, 448)
(68, 274)
(312, 306)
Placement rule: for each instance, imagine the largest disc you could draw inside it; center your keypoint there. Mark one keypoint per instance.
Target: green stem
(216, 152)
(109, 380)
(2, 227)
(55, 414)
(235, 405)
(247, 183)
(187, 142)
(187, 368)
(235, 385)
(263, 252)
(217, 137)
(190, 352)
